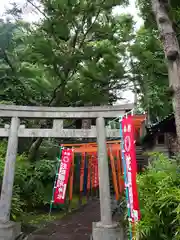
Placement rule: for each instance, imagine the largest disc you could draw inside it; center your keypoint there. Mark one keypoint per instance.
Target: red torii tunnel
(88, 151)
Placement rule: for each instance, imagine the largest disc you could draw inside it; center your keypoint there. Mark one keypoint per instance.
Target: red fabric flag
(131, 168)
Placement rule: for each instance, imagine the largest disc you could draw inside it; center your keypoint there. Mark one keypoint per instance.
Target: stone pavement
(75, 226)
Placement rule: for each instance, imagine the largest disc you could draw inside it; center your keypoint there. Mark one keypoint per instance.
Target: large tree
(81, 45)
(166, 14)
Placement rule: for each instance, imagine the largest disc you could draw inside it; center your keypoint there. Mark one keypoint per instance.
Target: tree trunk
(86, 123)
(33, 149)
(59, 94)
(172, 52)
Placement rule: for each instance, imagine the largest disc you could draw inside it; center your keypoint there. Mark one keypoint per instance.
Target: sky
(30, 16)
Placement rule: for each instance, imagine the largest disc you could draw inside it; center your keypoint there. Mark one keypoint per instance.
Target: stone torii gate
(105, 229)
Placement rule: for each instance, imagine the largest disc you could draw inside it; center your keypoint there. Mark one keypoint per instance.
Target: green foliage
(77, 46)
(33, 183)
(149, 73)
(21, 82)
(159, 194)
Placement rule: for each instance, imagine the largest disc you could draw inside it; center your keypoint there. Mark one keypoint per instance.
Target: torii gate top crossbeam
(63, 112)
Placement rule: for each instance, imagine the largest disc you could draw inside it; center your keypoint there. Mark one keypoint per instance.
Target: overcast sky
(30, 16)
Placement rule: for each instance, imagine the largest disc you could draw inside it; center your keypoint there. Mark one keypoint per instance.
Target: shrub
(33, 182)
(159, 195)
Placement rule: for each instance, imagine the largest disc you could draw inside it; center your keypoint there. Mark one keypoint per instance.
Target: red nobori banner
(63, 175)
(131, 168)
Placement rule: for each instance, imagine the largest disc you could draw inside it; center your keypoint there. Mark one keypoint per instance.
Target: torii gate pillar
(9, 230)
(105, 229)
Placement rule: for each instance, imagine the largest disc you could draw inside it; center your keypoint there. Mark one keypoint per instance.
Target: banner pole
(119, 170)
(71, 181)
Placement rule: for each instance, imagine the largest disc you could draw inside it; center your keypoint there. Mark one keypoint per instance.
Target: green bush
(159, 195)
(33, 182)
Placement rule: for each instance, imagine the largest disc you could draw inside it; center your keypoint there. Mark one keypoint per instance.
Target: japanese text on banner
(63, 175)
